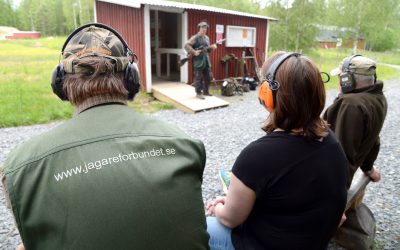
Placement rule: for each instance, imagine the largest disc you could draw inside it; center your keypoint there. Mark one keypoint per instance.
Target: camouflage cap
(359, 65)
(94, 41)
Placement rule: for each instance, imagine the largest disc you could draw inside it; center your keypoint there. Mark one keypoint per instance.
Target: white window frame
(235, 42)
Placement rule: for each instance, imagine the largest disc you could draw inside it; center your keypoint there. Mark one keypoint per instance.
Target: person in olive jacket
(357, 116)
(109, 178)
(198, 46)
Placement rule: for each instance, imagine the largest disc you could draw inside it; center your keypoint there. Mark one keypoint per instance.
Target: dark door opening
(165, 40)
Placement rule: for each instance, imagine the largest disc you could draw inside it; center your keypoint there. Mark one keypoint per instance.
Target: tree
(7, 13)
(377, 22)
(302, 24)
(381, 25)
(295, 29)
(54, 17)
(279, 31)
(26, 15)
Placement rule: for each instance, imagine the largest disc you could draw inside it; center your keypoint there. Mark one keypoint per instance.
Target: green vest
(201, 61)
(109, 178)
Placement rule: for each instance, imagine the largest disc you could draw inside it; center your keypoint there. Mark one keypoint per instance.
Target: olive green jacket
(357, 119)
(109, 178)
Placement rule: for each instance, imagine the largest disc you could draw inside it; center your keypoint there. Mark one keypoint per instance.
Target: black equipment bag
(250, 81)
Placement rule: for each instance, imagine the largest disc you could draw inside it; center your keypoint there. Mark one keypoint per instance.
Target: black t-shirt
(301, 192)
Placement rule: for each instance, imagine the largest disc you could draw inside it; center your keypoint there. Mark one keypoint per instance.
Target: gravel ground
(226, 131)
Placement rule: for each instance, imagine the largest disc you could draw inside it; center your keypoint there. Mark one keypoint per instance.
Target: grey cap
(202, 24)
(359, 65)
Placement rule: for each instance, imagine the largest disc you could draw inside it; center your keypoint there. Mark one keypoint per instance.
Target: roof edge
(179, 5)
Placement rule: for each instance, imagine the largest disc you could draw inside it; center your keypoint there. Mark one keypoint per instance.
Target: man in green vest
(198, 46)
(109, 178)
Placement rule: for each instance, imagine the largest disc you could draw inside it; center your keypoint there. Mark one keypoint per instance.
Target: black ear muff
(267, 90)
(346, 78)
(57, 82)
(132, 80)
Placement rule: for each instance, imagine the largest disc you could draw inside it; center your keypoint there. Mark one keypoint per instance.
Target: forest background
(377, 21)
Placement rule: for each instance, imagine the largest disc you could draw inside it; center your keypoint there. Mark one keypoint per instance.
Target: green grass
(26, 67)
(25, 70)
(384, 57)
(146, 103)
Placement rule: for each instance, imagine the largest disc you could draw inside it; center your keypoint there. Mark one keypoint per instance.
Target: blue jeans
(220, 235)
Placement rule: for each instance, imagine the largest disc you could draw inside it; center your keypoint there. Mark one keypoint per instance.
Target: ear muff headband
(276, 64)
(131, 77)
(268, 89)
(346, 77)
(346, 63)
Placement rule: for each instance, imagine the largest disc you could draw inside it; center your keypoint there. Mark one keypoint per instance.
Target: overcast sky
(16, 2)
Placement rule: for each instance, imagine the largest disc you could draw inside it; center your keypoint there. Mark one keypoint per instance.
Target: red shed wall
(129, 22)
(195, 16)
(24, 35)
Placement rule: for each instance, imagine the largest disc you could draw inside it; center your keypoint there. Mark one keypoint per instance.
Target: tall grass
(25, 74)
(26, 97)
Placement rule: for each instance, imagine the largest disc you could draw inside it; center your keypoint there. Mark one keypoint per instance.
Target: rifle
(201, 48)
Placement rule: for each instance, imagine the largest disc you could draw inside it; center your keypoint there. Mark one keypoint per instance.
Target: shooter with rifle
(201, 49)
(198, 47)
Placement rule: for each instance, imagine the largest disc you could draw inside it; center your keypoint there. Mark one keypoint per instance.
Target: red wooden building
(330, 37)
(157, 31)
(23, 35)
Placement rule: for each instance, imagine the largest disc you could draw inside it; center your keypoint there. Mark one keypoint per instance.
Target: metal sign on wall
(219, 28)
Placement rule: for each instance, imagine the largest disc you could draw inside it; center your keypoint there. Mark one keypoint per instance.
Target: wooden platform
(183, 97)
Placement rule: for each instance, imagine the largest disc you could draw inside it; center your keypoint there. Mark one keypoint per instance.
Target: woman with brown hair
(288, 188)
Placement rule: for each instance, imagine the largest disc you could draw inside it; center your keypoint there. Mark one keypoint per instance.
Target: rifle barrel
(183, 61)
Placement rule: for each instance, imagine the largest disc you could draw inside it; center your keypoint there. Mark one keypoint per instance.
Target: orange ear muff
(265, 96)
(268, 88)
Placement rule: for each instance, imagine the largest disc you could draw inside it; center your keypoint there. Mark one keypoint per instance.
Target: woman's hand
(210, 209)
(233, 209)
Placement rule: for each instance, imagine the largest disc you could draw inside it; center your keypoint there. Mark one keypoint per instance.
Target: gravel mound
(225, 132)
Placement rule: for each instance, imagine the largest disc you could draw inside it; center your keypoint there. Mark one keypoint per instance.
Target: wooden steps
(183, 97)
